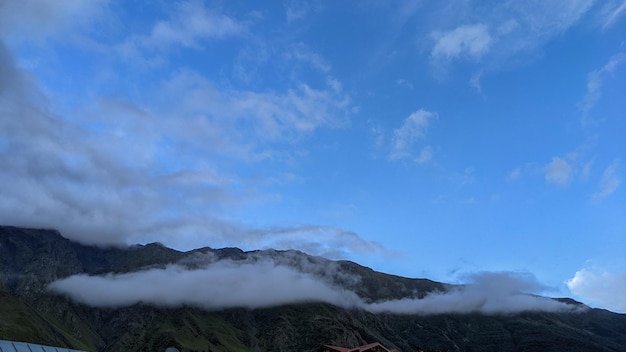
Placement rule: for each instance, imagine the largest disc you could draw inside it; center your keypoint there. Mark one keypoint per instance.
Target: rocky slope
(31, 259)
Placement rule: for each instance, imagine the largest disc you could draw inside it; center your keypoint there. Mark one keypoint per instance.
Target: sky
(419, 138)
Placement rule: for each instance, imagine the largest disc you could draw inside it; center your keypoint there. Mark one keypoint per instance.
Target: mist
(223, 284)
(486, 292)
(261, 282)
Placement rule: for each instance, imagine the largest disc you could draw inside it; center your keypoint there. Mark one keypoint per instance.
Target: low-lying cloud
(487, 293)
(266, 282)
(221, 285)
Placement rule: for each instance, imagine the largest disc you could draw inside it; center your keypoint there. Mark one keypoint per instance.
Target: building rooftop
(371, 347)
(14, 346)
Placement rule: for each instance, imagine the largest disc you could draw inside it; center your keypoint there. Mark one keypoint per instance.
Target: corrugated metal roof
(14, 346)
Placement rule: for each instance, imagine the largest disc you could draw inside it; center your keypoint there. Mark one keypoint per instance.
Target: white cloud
(609, 182)
(265, 282)
(220, 285)
(558, 172)
(487, 293)
(603, 288)
(413, 129)
(126, 172)
(471, 40)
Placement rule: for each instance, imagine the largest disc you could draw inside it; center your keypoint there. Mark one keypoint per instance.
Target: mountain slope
(32, 259)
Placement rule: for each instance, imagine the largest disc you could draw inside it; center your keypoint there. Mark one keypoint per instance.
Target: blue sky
(425, 139)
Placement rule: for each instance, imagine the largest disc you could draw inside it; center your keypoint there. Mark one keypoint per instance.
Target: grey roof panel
(38, 348)
(13, 346)
(21, 347)
(6, 346)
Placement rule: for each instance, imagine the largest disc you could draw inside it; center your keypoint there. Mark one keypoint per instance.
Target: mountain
(33, 259)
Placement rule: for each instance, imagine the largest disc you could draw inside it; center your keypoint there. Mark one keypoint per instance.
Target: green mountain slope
(31, 259)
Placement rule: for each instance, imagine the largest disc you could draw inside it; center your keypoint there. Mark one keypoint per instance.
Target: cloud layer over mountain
(267, 282)
(221, 285)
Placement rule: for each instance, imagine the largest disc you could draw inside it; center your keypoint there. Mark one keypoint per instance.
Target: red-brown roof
(363, 348)
(337, 348)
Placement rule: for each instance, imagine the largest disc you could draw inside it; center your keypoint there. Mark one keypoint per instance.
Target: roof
(14, 346)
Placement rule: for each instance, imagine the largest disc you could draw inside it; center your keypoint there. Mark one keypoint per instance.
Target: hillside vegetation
(31, 259)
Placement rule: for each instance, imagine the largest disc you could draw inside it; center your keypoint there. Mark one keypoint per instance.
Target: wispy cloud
(298, 9)
(545, 19)
(329, 242)
(608, 184)
(425, 155)
(612, 11)
(506, 32)
(190, 24)
(558, 172)
(561, 171)
(601, 287)
(302, 53)
(594, 85)
(268, 116)
(413, 129)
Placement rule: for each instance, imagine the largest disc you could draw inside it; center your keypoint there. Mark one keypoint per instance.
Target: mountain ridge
(31, 259)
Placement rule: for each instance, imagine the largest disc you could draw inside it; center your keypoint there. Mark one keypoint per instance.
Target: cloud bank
(168, 165)
(267, 282)
(221, 285)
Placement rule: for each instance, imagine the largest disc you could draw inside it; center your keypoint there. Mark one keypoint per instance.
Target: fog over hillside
(265, 281)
